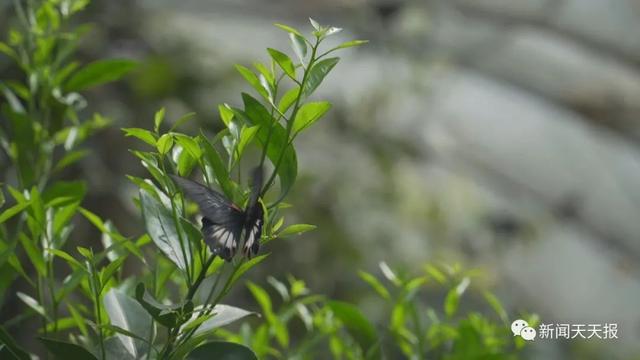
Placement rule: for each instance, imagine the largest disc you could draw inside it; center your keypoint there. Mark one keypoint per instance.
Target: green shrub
(174, 308)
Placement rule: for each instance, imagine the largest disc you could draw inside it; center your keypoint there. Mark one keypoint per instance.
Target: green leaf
(119, 330)
(246, 266)
(34, 254)
(221, 350)
(280, 287)
(161, 313)
(222, 315)
(246, 136)
(183, 119)
(266, 73)
(66, 350)
(375, 284)
(11, 347)
(283, 61)
(63, 193)
(317, 73)
(299, 46)
(288, 167)
(262, 297)
(110, 269)
(296, 229)
(253, 80)
(497, 306)
(13, 211)
(226, 114)
(124, 312)
(308, 114)
(162, 229)
(349, 44)
(165, 143)
(157, 119)
(73, 263)
(5, 49)
(288, 99)
(451, 302)
(186, 162)
(315, 24)
(32, 303)
(70, 158)
(289, 29)
(358, 326)
(98, 73)
(218, 166)
(435, 273)
(142, 134)
(79, 319)
(190, 145)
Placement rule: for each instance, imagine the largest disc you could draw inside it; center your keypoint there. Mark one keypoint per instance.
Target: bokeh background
(499, 134)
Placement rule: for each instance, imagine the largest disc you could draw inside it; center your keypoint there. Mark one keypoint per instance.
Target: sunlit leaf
(308, 114)
(12, 211)
(246, 136)
(164, 144)
(299, 46)
(283, 61)
(32, 303)
(349, 44)
(142, 134)
(289, 29)
(296, 229)
(288, 99)
(253, 80)
(157, 119)
(317, 73)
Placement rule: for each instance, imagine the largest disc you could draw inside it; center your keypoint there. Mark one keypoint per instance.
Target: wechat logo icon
(521, 328)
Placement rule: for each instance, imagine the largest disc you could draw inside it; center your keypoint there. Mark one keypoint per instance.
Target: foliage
(413, 329)
(173, 309)
(43, 127)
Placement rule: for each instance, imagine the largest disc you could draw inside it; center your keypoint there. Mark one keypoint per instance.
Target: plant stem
(193, 288)
(296, 107)
(208, 311)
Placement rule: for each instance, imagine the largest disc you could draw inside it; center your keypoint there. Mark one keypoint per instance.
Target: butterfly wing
(255, 216)
(222, 221)
(253, 231)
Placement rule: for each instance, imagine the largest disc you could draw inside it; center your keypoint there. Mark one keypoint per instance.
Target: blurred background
(499, 134)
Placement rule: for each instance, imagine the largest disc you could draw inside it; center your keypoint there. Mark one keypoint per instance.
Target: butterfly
(223, 222)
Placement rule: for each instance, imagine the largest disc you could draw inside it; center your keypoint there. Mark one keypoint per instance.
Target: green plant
(176, 304)
(173, 308)
(412, 329)
(43, 126)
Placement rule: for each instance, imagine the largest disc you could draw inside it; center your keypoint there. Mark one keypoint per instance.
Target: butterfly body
(223, 222)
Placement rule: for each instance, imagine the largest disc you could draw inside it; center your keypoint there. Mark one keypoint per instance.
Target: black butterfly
(223, 222)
